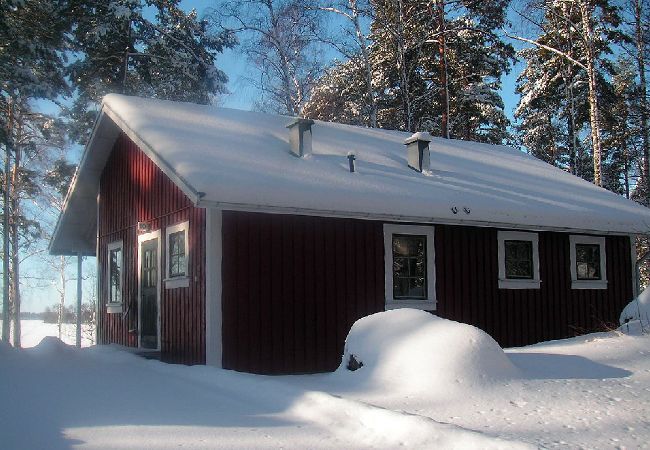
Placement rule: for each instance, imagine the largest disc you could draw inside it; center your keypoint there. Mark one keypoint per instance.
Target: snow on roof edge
(121, 120)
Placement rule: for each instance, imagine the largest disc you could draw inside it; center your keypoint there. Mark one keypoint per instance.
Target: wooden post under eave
(79, 280)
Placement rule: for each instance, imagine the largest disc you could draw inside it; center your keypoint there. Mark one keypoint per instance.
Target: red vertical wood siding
(133, 189)
(467, 288)
(294, 285)
(292, 288)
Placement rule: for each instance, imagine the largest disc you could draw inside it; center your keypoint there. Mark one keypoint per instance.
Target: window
(176, 269)
(114, 276)
(409, 267)
(177, 254)
(587, 262)
(518, 260)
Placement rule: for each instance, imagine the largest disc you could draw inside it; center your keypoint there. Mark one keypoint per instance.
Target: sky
(241, 95)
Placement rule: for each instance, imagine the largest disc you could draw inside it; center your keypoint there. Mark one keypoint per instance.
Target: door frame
(143, 238)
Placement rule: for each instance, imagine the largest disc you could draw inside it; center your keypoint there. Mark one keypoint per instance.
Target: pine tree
(592, 27)
(436, 67)
(621, 131)
(552, 111)
(171, 56)
(340, 96)
(353, 44)
(31, 67)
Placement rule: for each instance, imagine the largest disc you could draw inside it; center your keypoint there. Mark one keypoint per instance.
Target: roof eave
(73, 236)
(207, 203)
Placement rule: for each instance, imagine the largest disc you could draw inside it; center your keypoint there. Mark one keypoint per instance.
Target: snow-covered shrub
(635, 317)
(415, 350)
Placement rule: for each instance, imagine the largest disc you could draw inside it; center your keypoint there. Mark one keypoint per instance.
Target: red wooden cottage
(254, 241)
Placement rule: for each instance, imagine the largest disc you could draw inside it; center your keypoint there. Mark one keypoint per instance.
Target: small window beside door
(177, 249)
(588, 270)
(518, 260)
(115, 276)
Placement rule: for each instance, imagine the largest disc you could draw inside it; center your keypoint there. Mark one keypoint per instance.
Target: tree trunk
(572, 136)
(442, 70)
(403, 70)
(586, 11)
(15, 249)
(643, 96)
(15, 263)
(6, 326)
(370, 93)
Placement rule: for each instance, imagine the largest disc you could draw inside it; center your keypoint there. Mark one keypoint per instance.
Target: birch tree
(57, 180)
(596, 29)
(279, 37)
(353, 44)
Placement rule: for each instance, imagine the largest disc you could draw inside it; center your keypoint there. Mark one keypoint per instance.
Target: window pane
(519, 259)
(400, 287)
(409, 267)
(115, 274)
(588, 262)
(400, 246)
(177, 254)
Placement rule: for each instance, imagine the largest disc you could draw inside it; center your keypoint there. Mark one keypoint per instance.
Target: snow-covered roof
(236, 159)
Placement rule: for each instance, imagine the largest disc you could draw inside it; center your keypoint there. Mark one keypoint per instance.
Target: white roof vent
(300, 136)
(417, 147)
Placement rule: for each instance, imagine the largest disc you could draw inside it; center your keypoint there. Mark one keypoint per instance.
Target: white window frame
(509, 283)
(588, 284)
(114, 307)
(180, 281)
(419, 230)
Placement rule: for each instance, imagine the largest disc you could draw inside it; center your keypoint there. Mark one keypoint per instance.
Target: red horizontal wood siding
(294, 285)
(133, 189)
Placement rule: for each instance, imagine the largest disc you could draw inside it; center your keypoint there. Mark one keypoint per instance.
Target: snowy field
(587, 392)
(33, 331)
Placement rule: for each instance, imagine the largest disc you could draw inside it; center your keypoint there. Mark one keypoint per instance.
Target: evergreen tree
(340, 95)
(580, 33)
(553, 111)
(31, 67)
(351, 41)
(622, 131)
(436, 66)
(171, 56)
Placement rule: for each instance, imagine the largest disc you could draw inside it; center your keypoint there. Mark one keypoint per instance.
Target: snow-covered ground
(33, 331)
(592, 392)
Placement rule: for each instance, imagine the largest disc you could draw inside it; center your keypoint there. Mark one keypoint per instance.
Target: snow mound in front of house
(51, 346)
(635, 317)
(413, 350)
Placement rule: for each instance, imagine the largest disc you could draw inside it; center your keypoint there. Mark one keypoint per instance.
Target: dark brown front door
(149, 294)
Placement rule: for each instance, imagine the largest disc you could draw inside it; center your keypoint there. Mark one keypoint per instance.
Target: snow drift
(635, 317)
(417, 351)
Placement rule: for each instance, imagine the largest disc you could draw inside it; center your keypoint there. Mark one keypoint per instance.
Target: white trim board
(114, 307)
(421, 230)
(213, 313)
(179, 281)
(270, 209)
(511, 283)
(587, 284)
